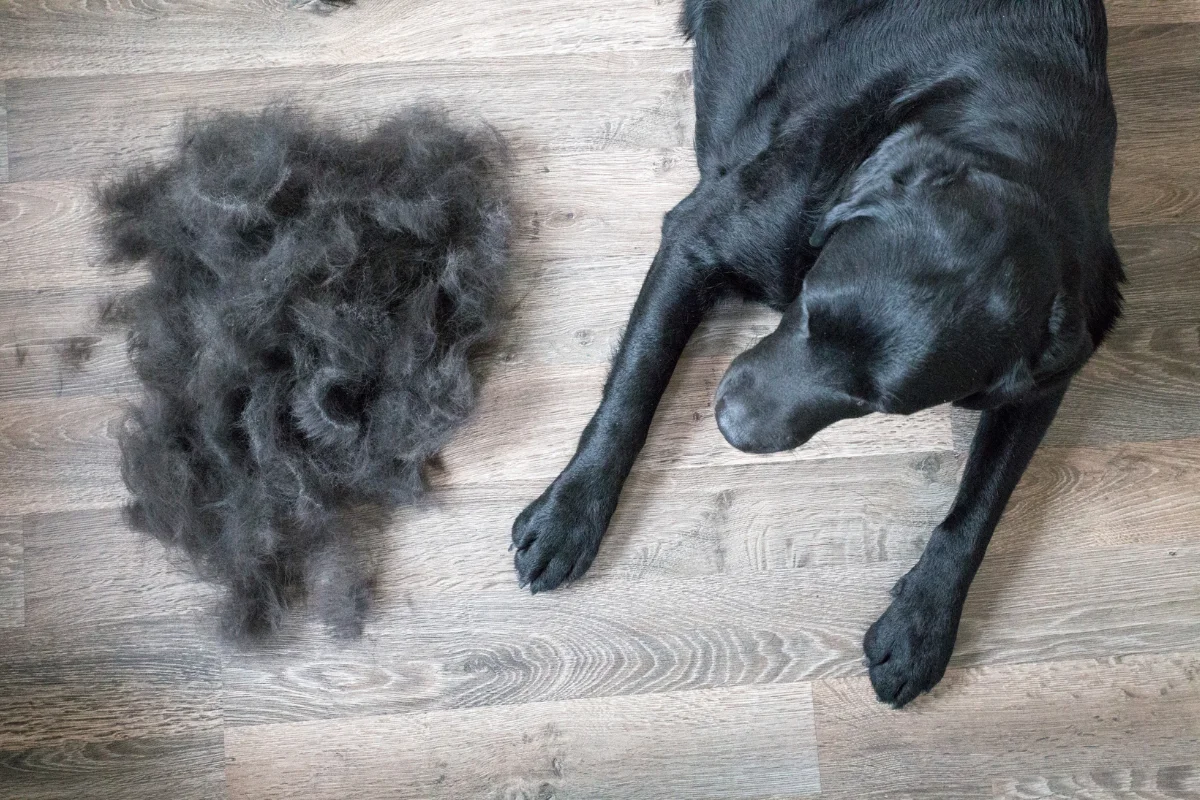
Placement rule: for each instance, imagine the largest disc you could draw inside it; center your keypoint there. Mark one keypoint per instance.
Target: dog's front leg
(556, 537)
(909, 647)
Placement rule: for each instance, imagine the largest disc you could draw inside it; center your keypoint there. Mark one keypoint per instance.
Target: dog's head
(938, 281)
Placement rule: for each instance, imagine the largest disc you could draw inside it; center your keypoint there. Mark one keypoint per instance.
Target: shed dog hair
(304, 339)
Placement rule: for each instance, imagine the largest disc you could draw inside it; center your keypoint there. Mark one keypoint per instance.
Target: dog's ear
(861, 196)
(906, 163)
(854, 208)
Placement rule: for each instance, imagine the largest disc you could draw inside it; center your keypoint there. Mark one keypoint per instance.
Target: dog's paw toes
(541, 570)
(909, 647)
(555, 543)
(551, 559)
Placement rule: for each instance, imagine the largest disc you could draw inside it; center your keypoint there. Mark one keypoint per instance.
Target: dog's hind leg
(909, 647)
(558, 535)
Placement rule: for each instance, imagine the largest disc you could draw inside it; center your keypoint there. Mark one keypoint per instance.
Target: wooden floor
(713, 651)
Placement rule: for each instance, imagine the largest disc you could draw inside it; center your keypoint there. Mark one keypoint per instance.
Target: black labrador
(921, 186)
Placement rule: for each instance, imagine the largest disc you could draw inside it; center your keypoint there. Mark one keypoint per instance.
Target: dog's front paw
(909, 647)
(557, 536)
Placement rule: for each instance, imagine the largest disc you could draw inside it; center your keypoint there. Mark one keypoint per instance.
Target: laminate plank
(62, 128)
(813, 516)
(745, 743)
(578, 262)
(106, 683)
(1139, 493)
(3, 134)
(1137, 52)
(46, 38)
(1162, 263)
(1141, 782)
(1151, 12)
(719, 521)
(12, 573)
(817, 515)
(1155, 77)
(586, 221)
(64, 38)
(153, 768)
(430, 645)
(1140, 386)
(733, 520)
(91, 559)
(52, 346)
(1152, 71)
(1155, 193)
(46, 239)
(982, 724)
(75, 365)
(60, 455)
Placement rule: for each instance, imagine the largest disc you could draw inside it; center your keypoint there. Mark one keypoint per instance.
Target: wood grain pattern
(817, 515)
(45, 238)
(1123, 494)
(148, 768)
(744, 743)
(12, 573)
(1073, 716)
(635, 100)
(1164, 283)
(60, 455)
(435, 645)
(682, 665)
(91, 559)
(530, 419)
(60, 37)
(1145, 782)
(1140, 386)
(1156, 88)
(102, 683)
(73, 365)
(3, 134)
(1151, 12)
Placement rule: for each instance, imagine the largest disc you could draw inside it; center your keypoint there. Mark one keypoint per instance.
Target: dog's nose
(733, 420)
(733, 411)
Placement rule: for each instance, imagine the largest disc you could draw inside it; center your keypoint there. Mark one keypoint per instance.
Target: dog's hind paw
(909, 647)
(557, 536)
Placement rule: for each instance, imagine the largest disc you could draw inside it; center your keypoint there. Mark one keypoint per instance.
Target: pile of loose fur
(304, 339)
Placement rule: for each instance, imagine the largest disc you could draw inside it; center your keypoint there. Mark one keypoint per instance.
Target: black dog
(921, 186)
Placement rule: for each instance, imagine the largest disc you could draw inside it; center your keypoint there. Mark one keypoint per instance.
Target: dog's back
(1017, 70)
(809, 88)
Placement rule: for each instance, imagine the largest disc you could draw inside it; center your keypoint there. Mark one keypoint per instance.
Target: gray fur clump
(304, 340)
